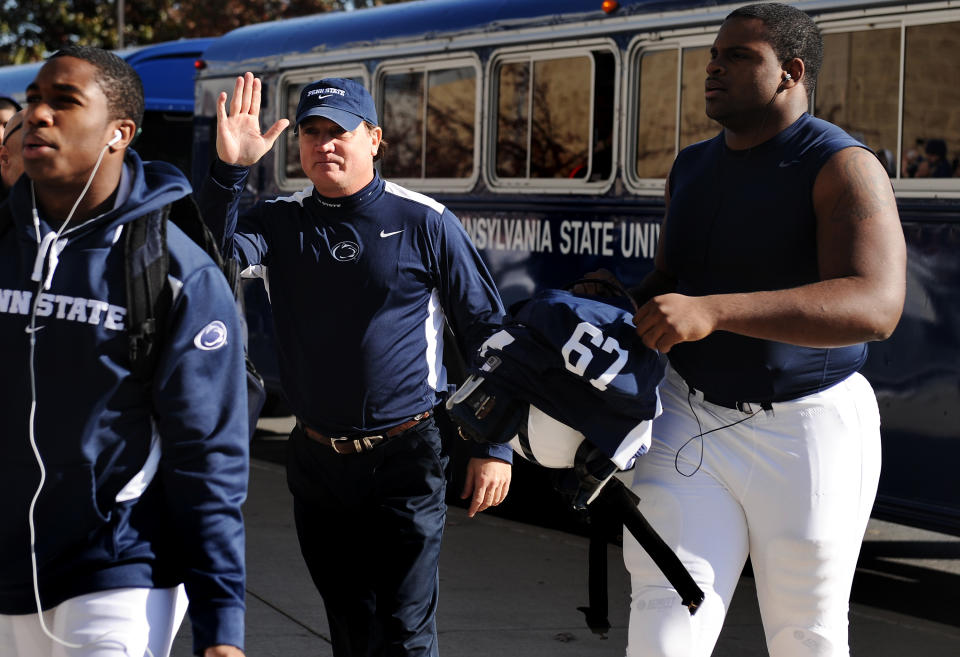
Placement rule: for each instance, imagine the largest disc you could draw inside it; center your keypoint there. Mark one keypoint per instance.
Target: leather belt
(358, 444)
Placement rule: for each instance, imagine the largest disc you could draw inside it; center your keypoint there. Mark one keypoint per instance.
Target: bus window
(291, 166)
(658, 131)
(429, 120)
(931, 102)
(858, 87)
(560, 140)
(513, 108)
(451, 123)
(555, 117)
(604, 99)
(402, 114)
(695, 125)
(657, 113)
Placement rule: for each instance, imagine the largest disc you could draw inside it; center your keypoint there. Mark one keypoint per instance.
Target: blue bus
(549, 127)
(167, 71)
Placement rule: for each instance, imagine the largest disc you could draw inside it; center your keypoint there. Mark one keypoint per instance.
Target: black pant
(370, 527)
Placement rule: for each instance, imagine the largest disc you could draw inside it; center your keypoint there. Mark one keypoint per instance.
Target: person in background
(11, 158)
(8, 107)
(935, 164)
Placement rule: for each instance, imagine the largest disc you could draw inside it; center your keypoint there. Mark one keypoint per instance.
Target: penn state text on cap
(345, 102)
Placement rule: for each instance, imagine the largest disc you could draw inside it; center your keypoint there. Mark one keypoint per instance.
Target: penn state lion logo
(345, 251)
(212, 336)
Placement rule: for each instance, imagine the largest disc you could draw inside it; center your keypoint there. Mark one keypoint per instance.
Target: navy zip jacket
(360, 288)
(143, 482)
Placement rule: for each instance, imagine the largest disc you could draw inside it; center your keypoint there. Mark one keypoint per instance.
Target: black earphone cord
(700, 434)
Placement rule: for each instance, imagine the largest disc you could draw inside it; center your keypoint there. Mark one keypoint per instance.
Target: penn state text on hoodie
(144, 482)
(360, 288)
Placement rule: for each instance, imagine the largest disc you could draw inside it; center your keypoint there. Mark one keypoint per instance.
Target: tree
(31, 29)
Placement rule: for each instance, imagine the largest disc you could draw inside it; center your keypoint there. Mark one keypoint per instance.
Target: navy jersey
(743, 221)
(579, 360)
(360, 287)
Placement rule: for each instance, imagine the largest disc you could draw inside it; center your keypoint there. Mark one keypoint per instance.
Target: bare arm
(862, 263)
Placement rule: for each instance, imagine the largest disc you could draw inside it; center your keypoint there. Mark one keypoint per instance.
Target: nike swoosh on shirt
(784, 163)
(396, 232)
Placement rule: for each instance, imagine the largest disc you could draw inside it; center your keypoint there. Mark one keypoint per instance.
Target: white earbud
(787, 76)
(117, 136)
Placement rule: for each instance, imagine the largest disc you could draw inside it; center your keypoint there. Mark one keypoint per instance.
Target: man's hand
(488, 480)
(223, 651)
(238, 133)
(669, 319)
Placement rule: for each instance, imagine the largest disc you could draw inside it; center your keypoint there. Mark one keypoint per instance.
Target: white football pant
(112, 623)
(792, 487)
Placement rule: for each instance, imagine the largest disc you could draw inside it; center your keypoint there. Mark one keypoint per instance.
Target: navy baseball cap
(345, 102)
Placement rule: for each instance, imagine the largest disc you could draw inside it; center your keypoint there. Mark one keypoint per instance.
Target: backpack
(149, 295)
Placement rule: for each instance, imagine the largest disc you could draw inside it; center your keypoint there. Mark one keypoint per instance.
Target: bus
(549, 128)
(167, 71)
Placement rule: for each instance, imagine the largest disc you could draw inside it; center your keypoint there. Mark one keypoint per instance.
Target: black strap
(147, 265)
(186, 215)
(596, 613)
(624, 503)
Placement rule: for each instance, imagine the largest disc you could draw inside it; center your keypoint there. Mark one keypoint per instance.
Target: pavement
(512, 589)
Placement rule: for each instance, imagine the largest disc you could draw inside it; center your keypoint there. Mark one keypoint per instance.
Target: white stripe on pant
(113, 623)
(792, 486)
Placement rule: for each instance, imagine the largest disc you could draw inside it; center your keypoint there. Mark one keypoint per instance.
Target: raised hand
(239, 140)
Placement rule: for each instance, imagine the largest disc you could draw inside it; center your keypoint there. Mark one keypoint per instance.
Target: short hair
(119, 82)
(791, 33)
(936, 147)
(9, 103)
(383, 142)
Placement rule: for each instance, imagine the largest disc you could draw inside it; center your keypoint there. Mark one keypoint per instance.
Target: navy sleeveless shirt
(743, 221)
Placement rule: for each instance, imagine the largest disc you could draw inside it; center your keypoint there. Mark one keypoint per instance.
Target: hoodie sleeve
(470, 301)
(219, 199)
(200, 403)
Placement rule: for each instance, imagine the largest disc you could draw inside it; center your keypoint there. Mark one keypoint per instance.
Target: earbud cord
(766, 115)
(32, 329)
(700, 434)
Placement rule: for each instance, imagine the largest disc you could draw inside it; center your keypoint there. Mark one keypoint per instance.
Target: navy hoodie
(143, 482)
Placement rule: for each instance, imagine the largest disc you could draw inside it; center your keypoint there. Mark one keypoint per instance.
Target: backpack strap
(185, 214)
(148, 295)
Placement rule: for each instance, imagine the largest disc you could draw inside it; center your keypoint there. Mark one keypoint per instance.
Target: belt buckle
(364, 444)
(333, 444)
